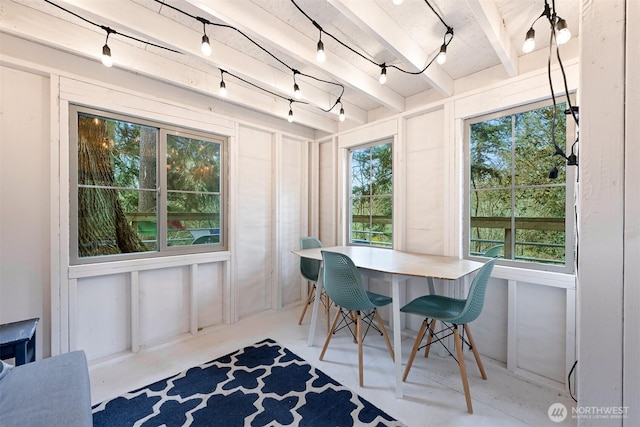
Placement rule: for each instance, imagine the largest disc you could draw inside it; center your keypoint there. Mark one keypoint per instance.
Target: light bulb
(563, 34)
(342, 116)
(296, 91)
(290, 117)
(223, 89)
(529, 41)
(205, 47)
(320, 55)
(442, 55)
(397, 2)
(107, 60)
(383, 76)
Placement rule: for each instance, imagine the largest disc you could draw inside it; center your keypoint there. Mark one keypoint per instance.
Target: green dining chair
(343, 284)
(309, 269)
(451, 312)
(494, 251)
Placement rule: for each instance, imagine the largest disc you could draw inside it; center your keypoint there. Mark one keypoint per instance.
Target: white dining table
(400, 266)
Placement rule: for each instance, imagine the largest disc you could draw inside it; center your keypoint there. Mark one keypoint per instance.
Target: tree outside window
(515, 210)
(141, 188)
(371, 196)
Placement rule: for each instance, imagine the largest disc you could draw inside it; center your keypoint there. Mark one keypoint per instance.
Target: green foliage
(372, 194)
(510, 158)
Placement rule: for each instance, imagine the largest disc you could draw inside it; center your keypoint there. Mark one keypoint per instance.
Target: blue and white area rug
(263, 384)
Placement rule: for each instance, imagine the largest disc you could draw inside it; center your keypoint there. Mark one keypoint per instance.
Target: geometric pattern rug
(263, 384)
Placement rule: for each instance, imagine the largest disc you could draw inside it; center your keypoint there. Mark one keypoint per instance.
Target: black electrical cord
(295, 72)
(447, 39)
(108, 30)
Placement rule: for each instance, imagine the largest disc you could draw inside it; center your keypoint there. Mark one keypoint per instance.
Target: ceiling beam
(157, 28)
(486, 12)
(375, 21)
(33, 24)
(267, 28)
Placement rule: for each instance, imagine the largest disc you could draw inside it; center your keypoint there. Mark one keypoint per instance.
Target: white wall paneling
(328, 206)
(292, 203)
(25, 194)
(425, 190)
(631, 325)
(601, 267)
(254, 221)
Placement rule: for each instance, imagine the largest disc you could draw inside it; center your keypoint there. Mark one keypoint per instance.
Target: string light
(223, 86)
(397, 2)
(296, 88)
(290, 116)
(529, 41)
(560, 34)
(383, 74)
(107, 60)
(558, 27)
(320, 54)
(342, 117)
(442, 55)
(564, 35)
(205, 47)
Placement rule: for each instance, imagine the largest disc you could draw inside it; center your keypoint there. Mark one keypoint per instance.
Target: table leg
(20, 350)
(316, 308)
(397, 333)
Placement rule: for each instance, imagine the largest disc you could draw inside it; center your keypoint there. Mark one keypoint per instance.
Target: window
(141, 189)
(514, 210)
(371, 195)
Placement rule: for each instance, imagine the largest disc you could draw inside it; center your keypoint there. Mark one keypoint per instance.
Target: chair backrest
(309, 268)
(494, 251)
(475, 299)
(343, 283)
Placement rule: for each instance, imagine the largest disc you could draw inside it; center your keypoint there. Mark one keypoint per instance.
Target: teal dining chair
(494, 251)
(451, 312)
(343, 283)
(309, 269)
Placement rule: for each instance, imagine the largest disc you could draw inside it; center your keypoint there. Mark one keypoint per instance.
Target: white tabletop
(398, 262)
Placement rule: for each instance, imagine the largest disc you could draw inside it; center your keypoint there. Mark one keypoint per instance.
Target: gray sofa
(50, 392)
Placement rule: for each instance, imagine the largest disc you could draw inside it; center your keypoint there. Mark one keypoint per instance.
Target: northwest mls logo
(557, 412)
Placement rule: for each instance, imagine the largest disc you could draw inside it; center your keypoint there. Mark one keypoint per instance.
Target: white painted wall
(254, 221)
(601, 266)
(24, 201)
(631, 321)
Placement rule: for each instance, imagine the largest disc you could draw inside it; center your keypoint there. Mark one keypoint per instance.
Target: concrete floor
(433, 393)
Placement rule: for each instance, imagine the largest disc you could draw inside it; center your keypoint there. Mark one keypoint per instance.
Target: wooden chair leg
(416, 345)
(327, 308)
(432, 327)
(333, 326)
(384, 334)
(475, 351)
(306, 304)
(463, 370)
(359, 338)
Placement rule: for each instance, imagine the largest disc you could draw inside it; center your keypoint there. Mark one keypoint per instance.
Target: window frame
(349, 223)
(570, 174)
(163, 130)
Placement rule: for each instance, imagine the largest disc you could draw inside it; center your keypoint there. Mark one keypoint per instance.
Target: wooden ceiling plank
(375, 21)
(31, 24)
(267, 28)
(156, 28)
(487, 15)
